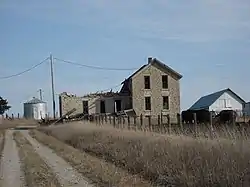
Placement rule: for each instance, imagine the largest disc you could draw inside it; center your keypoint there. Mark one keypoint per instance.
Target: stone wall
(68, 102)
(156, 92)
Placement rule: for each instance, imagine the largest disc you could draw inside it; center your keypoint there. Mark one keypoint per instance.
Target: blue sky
(207, 41)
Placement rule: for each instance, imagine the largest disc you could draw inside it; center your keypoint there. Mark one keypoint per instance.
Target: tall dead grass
(7, 124)
(165, 159)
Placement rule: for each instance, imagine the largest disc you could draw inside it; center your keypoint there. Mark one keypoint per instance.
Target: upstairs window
(165, 102)
(164, 81)
(147, 103)
(147, 82)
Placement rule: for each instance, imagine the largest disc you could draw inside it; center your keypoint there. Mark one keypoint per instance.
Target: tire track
(36, 172)
(11, 174)
(66, 175)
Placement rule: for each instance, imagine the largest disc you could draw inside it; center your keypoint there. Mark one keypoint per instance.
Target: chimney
(149, 60)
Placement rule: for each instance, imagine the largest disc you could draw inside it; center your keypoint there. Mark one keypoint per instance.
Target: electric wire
(95, 67)
(25, 71)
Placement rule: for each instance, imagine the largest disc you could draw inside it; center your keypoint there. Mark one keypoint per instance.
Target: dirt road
(65, 173)
(11, 170)
(11, 174)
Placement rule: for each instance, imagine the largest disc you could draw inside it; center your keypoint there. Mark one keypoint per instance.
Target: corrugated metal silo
(35, 109)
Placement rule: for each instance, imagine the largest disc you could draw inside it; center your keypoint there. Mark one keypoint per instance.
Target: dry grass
(6, 124)
(98, 171)
(36, 171)
(2, 141)
(165, 159)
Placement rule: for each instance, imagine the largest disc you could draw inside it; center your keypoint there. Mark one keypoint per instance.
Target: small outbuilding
(222, 100)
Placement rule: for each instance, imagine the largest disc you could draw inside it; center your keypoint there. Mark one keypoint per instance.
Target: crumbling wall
(68, 102)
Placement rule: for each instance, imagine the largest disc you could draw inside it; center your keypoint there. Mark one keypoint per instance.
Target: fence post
(102, 118)
(234, 117)
(99, 119)
(149, 123)
(114, 121)
(128, 123)
(123, 122)
(110, 119)
(1, 118)
(96, 122)
(180, 121)
(135, 123)
(162, 125)
(211, 120)
(106, 120)
(195, 123)
(159, 123)
(169, 124)
(141, 121)
(118, 120)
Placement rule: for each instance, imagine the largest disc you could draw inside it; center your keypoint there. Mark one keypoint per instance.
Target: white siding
(226, 102)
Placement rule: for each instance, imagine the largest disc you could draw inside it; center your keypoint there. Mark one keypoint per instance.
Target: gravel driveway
(66, 174)
(11, 175)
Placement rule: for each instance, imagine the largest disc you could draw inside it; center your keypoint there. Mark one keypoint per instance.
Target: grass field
(2, 134)
(97, 170)
(7, 124)
(165, 159)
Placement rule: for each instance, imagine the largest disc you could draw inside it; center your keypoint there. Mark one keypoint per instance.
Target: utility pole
(40, 93)
(52, 86)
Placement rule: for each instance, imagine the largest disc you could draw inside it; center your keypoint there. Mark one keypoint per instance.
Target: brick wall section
(68, 102)
(156, 92)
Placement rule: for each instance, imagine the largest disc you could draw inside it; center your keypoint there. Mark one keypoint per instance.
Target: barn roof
(206, 101)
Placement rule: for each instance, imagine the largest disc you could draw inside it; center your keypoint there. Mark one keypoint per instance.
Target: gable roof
(206, 101)
(164, 66)
(155, 61)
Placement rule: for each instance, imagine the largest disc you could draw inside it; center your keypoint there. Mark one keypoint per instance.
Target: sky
(207, 41)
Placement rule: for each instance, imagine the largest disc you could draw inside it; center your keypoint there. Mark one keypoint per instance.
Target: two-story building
(154, 89)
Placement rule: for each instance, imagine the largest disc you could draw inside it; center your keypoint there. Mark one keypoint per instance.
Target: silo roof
(34, 101)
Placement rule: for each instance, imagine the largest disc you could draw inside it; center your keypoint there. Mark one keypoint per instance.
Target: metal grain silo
(35, 109)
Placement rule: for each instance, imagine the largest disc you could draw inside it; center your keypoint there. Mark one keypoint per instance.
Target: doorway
(85, 107)
(118, 105)
(102, 107)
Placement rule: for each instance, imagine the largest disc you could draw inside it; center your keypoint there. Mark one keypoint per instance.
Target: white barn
(222, 100)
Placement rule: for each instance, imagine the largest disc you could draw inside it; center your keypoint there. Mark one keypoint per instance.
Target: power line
(25, 71)
(95, 67)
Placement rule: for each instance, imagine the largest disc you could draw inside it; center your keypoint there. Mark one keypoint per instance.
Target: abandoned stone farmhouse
(153, 89)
